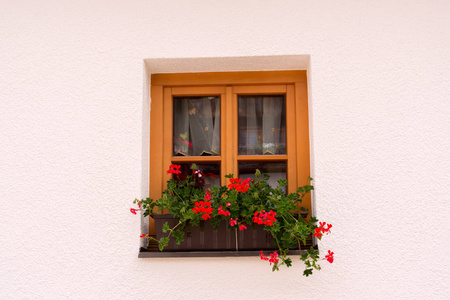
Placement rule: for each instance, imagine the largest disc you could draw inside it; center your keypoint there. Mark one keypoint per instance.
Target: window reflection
(276, 170)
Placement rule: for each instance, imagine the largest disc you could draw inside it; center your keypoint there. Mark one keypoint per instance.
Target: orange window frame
(228, 85)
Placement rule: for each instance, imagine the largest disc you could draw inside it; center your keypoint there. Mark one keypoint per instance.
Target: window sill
(146, 253)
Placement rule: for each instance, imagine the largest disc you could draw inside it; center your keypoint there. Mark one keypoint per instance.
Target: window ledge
(146, 253)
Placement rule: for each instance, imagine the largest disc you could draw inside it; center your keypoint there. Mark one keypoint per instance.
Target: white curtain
(272, 109)
(197, 126)
(252, 136)
(260, 124)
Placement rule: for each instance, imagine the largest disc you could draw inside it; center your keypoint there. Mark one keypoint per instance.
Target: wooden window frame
(228, 85)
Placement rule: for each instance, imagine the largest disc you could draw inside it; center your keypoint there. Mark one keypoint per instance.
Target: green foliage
(163, 242)
(165, 227)
(178, 235)
(288, 262)
(289, 230)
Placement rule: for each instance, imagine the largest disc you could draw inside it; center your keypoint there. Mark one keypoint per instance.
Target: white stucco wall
(74, 126)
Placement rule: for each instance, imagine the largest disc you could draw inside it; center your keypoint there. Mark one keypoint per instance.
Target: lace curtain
(196, 126)
(262, 125)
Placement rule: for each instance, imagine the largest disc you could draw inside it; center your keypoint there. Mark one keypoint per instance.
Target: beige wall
(74, 126)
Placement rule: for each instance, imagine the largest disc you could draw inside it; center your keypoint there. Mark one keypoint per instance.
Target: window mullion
(227, 134)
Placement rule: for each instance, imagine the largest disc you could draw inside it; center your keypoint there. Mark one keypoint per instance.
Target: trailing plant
(241, 203)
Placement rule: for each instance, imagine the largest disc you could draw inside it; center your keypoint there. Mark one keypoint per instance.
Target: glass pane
(262, 125)
(209, 173)
(276, 170)
(196, 126)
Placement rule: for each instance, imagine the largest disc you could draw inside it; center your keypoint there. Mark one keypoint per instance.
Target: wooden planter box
(206, 238)
(203, 237)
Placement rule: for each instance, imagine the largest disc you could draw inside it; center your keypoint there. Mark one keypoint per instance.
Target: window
(233, 122)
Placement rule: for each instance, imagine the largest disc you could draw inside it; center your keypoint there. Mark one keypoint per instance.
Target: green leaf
(179, 236)
(288, 262)
(313, 220)
(275, 267)
(163, 242)
(307, 272)
(282, 182)
(165, 227)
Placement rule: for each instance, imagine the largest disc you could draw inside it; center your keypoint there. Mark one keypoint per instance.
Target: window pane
(209, 173)
(196, 126)
(276, 170)
(262, 125)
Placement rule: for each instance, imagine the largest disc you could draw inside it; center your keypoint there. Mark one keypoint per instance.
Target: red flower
(322, 230)
(329, 257)
(262, 256)
(235, 183)
(174, 169)
(318, 232)
(142, 235)
(208, 195)
(242, 227)
(264, 218)
(222, 212)
(233, 222)
(204, 207)
(134, 210)
(273, 258)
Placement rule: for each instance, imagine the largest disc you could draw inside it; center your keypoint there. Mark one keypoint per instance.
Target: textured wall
(73, 115)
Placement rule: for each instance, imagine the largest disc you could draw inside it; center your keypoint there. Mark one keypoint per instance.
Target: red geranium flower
(204, 207)
(262, 256)
(239, 185)
(264, 218)
(174, 169)
(318, 232)
(329, 257)
(273, 258)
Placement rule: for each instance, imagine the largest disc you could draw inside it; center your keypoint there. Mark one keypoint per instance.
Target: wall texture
(73, 125)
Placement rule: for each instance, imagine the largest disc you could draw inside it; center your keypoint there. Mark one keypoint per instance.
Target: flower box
(203, 237)
(251, 217)
(206, 238)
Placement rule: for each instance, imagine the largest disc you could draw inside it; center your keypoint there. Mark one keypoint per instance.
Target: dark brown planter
(256, 238)
(206, 238)
(203, 237)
